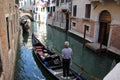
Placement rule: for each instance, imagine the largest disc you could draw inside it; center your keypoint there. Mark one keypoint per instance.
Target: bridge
(26, 13)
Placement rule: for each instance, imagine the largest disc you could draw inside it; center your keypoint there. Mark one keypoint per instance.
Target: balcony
(66, 6)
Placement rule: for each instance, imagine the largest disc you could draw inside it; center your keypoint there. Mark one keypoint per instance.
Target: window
(68, 0)
(48, 9)
(74, 10)
(62, 1)
(87, 28)
(36, 8)
(88, 10)
(73, 24)
(8, 37)
(57, 3)
(53, 8)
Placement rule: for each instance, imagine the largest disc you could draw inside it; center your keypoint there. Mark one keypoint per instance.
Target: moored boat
(24, 24)
(50, 62)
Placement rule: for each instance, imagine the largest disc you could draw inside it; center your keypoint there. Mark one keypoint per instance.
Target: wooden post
(101, 39)
(85, 28)
(66, 37)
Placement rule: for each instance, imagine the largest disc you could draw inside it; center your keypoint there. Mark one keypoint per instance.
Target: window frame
(53, 8)
(87, 10)
(57, 3)
(74, 10)
(62, 1)
(89, 28)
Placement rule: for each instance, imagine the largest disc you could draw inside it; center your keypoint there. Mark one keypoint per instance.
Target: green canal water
(26, 67)
(86, 62)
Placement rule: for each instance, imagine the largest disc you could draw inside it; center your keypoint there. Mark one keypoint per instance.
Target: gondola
(24, 24)
(50, 63)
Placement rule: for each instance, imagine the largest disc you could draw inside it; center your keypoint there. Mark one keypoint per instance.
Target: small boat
(50, 63)
(24, 24)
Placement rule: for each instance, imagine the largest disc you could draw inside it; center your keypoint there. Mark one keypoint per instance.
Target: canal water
(89, 64)
(86, 62)
(26, 68)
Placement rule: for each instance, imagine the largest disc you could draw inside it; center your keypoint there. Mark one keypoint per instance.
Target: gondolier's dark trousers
(66, 67)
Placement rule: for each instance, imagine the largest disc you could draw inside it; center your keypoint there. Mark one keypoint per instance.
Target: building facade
(98, 18)
(52, 12)
(26, 4)
(40, 11)
(9, 30)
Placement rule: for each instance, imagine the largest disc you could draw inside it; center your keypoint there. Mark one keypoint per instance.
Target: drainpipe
(68, 27)
(70, 14)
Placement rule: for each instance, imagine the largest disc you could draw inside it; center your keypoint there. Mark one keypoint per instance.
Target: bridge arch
(27, 14)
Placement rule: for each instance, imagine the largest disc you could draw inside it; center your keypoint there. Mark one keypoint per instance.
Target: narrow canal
(91, 65)
(26, 68)
(86, 62)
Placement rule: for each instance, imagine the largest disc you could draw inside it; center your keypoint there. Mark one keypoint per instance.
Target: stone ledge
(114, 50)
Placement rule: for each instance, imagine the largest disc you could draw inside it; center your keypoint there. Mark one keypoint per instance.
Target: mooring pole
(84, 41)
(101, 39)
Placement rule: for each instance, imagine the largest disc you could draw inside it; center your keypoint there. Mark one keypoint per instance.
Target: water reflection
(26, 68)
(85, 61)
(25, 36)
(83, 58)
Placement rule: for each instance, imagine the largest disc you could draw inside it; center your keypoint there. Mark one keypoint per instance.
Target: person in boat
(27, 26)
(66, 57)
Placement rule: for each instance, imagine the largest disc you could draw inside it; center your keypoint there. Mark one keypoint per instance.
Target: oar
(83, 70)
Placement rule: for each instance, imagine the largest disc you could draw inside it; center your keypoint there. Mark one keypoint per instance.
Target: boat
(50, 63)
(24, 24)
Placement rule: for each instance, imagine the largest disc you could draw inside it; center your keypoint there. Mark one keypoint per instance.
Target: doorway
(104, 20)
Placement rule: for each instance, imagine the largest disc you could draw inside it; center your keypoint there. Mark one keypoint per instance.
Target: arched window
(105, 16)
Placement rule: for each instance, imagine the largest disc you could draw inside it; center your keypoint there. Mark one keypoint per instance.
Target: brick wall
(115, 37)
(7, 8)
(80, 23)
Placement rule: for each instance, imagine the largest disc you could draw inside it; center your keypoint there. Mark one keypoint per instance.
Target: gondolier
(51, 63)
(66, 57)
